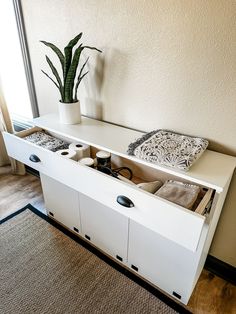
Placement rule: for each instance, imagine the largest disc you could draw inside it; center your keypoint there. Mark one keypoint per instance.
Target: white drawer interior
(143, 173)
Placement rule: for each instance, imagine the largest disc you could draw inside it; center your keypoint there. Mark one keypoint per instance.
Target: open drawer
(168, 219)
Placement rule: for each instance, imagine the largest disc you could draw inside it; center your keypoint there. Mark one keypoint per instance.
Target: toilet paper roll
(82, 150)
(87, 161)
(67, 153)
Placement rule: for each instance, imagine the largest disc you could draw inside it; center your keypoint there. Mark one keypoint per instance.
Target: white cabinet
(104, 227)
(62, 203)
(161, 261)
(164, 243)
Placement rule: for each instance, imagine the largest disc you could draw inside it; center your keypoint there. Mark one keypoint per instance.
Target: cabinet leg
(87, 237)
(134, 267)
(119, 258)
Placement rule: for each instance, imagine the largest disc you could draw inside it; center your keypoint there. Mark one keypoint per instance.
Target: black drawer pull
(34, 158)
(134, 267)
(124, 201)
(51, 214)
(87, 237)
(76, 229)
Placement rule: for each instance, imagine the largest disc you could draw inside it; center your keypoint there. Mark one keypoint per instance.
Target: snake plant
(68, 84)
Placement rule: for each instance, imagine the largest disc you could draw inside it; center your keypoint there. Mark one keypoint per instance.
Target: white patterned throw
(168, 148)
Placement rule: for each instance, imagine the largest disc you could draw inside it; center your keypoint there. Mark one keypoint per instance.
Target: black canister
(103, 161)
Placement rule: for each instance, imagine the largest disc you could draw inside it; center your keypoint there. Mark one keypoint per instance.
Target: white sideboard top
(212, 168)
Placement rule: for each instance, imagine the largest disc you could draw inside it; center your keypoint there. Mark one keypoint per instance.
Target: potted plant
(69, 105)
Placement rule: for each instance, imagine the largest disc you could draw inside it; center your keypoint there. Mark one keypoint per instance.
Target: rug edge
(141, 282)
(15, 213)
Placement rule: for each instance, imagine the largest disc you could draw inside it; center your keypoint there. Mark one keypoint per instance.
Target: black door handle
(124, 201)
(34, 158)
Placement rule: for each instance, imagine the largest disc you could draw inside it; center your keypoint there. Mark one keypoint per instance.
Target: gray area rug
(43, 270)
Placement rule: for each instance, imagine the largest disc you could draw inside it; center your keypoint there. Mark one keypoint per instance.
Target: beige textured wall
(165, 64)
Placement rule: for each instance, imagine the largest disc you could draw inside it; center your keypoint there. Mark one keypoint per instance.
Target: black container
(103, 161)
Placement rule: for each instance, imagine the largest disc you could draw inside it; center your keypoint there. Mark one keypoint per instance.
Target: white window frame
(27, 65)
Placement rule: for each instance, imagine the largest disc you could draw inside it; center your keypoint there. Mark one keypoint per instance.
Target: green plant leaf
(53, 83)
(55, 73)
(80, 78)
(51, 79)
(68, 53)
(74, 41)
(92, 48)
(81, 70)
(69, 82)
(77, 84)
(69, 64)
(57, 52)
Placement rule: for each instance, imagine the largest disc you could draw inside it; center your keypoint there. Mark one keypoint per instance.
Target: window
(13, 67)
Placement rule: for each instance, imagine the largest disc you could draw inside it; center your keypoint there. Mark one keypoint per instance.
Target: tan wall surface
(165, 64)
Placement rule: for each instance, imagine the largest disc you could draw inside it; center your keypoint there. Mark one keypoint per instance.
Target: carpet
(46, 269)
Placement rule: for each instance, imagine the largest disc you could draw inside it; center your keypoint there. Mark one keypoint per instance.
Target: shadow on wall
(93, 106)
(220, 148)
(105, 82)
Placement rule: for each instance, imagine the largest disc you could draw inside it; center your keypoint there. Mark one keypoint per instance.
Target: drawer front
(169, 220)
(21, 150)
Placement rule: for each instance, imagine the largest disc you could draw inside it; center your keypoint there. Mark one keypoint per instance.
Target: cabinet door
(161, 261)
(104, 227)
(62, 202)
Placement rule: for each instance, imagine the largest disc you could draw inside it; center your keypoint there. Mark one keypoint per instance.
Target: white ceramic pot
(69, 113)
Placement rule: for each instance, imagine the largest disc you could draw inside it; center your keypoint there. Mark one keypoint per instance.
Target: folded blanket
(46, 141)
(179, 193)
(168, 148)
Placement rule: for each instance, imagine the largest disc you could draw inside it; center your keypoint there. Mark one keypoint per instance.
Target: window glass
(12, 67)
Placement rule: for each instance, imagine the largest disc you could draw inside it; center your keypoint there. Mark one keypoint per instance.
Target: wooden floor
(211, 294)
(17, 191)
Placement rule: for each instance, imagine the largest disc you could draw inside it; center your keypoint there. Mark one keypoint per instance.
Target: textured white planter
(69, 113)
